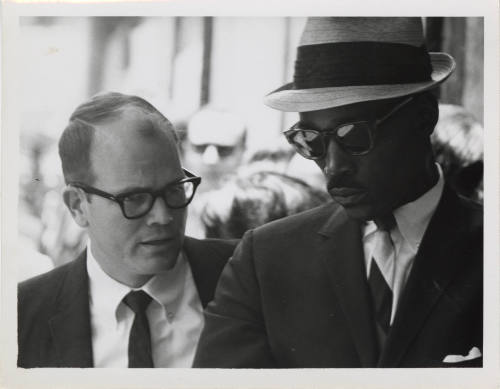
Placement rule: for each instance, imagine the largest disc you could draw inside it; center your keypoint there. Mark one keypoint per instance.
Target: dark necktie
(381, 291)
(139, 344)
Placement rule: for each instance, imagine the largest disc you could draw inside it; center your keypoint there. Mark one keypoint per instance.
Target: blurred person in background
(214, 145)
(307, 171)
(135, 296)
(29, 261)
(274, 157)
(61, 238)
(389, 274)
(48, 237)
(250, 200)
(458, 145)
(282, 158)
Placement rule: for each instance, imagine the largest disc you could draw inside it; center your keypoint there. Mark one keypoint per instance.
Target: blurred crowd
(241, 188)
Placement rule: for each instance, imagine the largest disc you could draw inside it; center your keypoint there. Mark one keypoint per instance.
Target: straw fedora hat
(345, 60)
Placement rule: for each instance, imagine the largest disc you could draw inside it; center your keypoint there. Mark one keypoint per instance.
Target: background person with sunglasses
(389, 274)
(135, 296)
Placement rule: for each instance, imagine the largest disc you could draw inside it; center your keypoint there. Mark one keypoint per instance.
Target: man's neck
(422, 183)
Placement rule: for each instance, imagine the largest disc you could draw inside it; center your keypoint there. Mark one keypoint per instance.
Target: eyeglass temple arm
(395, 109)
(95, 191)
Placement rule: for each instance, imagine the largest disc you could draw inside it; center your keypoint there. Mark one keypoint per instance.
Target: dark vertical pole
(100, 33)
(286, 61)
(434, 38)
(454, 31)
(176, 40)
(102, 29)
(434, 33)
(473, 85)
(206, 60)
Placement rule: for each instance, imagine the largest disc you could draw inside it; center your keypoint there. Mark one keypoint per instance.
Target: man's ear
(76, 202)
(427, 114)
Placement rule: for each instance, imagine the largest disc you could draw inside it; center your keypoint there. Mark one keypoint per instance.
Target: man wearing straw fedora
(389, 274)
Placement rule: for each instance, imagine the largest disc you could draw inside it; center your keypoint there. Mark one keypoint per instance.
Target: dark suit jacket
(295, 295)
(53, 308)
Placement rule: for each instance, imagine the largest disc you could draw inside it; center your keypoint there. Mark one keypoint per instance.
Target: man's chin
(161, 257)
(158, 264)
(366, 212)
(361, 212)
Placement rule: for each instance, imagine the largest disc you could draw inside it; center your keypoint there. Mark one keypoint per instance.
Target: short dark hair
(76, 140)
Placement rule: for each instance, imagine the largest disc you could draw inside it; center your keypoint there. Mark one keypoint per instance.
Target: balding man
(135, 296)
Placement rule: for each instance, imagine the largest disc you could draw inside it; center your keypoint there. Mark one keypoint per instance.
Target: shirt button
(170, 315)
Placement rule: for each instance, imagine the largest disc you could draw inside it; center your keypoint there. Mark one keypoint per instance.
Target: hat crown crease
(335, 30)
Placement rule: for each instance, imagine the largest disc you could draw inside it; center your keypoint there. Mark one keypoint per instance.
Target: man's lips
(345, 192)
(346, 196)
(157, 241)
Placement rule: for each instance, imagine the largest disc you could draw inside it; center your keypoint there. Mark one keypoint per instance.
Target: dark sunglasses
(223, 151)
(356, 138)
(137, 203)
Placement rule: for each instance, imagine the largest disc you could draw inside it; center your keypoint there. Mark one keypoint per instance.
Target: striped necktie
(382, 263)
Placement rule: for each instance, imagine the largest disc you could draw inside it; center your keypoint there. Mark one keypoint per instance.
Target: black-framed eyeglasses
(137, 203)
(356, 138)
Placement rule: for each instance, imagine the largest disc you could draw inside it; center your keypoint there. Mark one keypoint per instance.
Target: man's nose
(160, 213)
(210, 155)
(337, 162)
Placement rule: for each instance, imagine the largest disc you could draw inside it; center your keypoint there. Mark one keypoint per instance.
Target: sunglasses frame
(372, 125)
(119, 198)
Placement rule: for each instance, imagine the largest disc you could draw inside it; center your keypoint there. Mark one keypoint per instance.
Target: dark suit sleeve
(234, 335)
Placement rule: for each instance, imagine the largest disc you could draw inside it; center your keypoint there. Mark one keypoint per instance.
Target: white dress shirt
(412, 220)
(175, 316)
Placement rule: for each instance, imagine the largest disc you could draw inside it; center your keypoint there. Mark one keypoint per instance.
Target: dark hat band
(360, 63)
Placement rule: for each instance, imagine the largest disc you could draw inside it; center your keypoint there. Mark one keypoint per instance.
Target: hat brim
(289, 99)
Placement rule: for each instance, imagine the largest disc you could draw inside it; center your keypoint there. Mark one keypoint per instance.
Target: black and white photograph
(255, 201)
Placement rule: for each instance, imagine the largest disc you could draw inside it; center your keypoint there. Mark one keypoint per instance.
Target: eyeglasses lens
(179, 195)
(176, 196)
(308, 143)
(354, 137)
(137, 204)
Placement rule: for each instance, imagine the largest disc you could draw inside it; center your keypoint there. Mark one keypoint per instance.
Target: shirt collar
(413, 218)
(106, 293)
(168, 287)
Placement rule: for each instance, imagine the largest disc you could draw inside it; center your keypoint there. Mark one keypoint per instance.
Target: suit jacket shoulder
(311, 220)
(207, 258)
(41, 291)
(295, 295)
(53, 318)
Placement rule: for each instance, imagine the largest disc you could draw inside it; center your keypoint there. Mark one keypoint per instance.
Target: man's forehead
(134, 139)
(134, 123)
(124, 161)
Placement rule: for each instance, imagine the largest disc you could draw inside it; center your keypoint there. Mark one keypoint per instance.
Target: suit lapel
(340, 247)
(206, 264)
(70, 324)
(435, 265)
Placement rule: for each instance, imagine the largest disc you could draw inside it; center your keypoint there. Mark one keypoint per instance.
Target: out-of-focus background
(208, 76)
